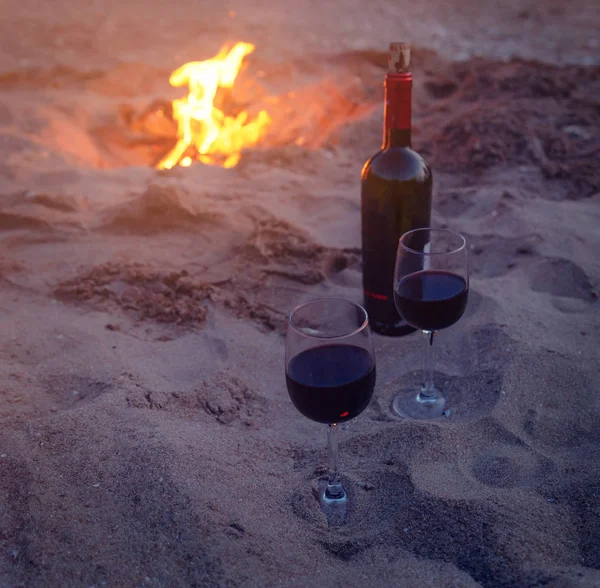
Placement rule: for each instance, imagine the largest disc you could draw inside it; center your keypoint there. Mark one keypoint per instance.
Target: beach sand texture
(146, 435)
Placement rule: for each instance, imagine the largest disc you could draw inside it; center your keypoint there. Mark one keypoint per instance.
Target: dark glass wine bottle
(396, 186)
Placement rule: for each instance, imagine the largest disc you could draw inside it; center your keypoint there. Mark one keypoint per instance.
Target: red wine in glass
(431, 300)
(331, 383)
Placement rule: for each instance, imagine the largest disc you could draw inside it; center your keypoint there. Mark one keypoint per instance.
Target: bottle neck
(397, 110)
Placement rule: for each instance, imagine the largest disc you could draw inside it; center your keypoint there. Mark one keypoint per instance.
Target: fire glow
(214, 137)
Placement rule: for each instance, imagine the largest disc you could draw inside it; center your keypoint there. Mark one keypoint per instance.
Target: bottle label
(376, 296)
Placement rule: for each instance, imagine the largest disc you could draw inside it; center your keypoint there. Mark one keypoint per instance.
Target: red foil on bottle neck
(398, 101)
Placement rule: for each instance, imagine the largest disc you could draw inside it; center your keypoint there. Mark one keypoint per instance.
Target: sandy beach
(146, 435)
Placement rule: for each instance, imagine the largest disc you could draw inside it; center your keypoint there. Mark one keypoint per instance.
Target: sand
(146, 435)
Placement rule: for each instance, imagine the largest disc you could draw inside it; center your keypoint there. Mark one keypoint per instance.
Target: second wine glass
(431, 287)
(330, 372)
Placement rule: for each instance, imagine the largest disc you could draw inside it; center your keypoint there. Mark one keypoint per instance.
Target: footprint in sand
(561, 277)
(492, 256)
(478, 203)
(552, 400)
(549, 426)
(488, 458)
(71, 391)
(506, 466)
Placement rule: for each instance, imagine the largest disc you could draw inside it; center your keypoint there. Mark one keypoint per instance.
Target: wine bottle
(396, 186)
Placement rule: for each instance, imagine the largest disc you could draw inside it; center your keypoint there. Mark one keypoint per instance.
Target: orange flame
(218, 138)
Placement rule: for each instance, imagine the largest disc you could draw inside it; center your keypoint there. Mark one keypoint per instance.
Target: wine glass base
(327, 498)
(335, 508)
(412, 405)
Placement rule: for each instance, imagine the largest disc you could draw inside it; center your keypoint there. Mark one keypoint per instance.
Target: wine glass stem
(428, 391)
(334, 490)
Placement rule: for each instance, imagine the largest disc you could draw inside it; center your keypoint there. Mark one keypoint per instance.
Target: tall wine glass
(330, 372)
(431, 287)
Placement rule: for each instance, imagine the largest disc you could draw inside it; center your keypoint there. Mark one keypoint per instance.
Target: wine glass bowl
(431, 287)
(330, 370)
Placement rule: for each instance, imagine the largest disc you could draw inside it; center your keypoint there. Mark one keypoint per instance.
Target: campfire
(205, 132)
(230, 108)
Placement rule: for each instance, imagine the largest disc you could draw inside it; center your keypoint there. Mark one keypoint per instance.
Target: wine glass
(330, 372)
(431, 287)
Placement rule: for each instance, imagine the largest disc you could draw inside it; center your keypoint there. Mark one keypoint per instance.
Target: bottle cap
(399, 57)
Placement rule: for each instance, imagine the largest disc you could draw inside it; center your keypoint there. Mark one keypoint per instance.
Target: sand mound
(276, 254)
(516, 113)
(149, 294)
(224, 399)
(158, 209)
